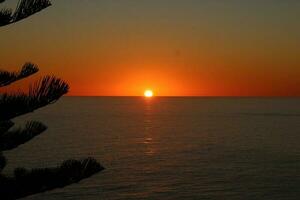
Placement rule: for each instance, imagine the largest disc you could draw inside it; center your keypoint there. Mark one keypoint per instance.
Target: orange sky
(175, 48)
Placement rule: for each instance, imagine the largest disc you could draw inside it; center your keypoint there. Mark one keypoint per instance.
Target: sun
(148, 93)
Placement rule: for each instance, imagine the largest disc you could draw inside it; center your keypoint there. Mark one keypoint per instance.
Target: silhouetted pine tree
(45, 91)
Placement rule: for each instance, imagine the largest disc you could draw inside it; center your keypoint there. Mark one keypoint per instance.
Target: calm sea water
(171, 148)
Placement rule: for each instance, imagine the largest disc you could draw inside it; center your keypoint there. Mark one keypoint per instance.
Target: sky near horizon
(174, 47)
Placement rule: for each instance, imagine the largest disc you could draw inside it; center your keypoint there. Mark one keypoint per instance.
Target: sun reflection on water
(148, 140)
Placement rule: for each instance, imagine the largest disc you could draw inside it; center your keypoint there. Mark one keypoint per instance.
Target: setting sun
(148, 93)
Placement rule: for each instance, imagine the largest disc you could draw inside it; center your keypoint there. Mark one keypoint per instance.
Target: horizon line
(186, 96)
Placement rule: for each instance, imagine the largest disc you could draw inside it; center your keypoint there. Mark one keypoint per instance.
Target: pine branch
(48, 90)
(5, 126)
(27, 8)
(15, 138)
(7, 78)
(45, 91)
(26, 183)
(5, 16)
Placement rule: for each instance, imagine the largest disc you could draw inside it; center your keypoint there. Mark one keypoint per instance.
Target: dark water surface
(171, 148)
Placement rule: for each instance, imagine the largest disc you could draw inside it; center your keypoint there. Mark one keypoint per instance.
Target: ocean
(170, 148)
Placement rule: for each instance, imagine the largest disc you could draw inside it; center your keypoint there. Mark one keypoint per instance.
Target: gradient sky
(175, 47)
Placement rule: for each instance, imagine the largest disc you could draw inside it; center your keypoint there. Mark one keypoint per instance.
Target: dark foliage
(45, 91)
(5, 16)
(42, 93)
(27, 182)
(5, 125)
(12, 139)
(25, 8)
(7, 78)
